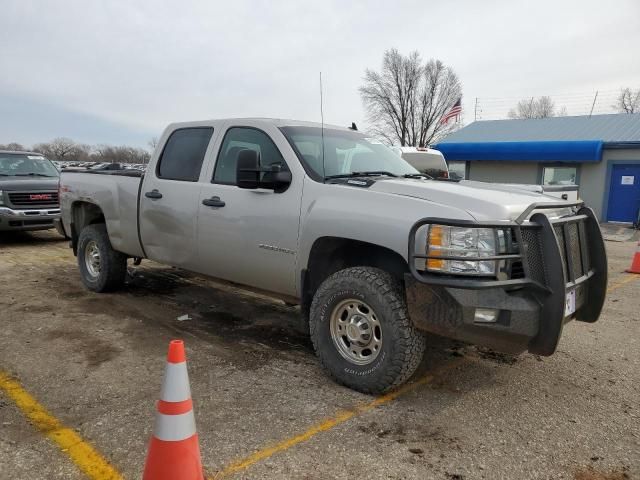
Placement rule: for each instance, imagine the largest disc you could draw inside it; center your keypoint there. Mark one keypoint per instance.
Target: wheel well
(331, 254)
(83, 214)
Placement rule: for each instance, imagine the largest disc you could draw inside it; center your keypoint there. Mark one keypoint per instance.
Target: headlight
(461, 242)
(1, 198)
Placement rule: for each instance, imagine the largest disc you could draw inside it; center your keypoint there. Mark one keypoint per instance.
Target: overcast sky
(118, 71)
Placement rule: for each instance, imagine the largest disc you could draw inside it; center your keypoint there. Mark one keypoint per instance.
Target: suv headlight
(1, 198)
(456, 243)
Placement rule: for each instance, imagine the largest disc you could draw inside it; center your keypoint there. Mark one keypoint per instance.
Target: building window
(560, 176)
(458, 170)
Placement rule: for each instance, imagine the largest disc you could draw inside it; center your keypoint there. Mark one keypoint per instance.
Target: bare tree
(406, 100)
(61, 148)
(542, 107)
(628, 101)
(119, 154)
(153, 143)
(13, 146)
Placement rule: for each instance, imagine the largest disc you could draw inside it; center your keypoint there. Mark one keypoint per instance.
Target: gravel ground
(96, 363)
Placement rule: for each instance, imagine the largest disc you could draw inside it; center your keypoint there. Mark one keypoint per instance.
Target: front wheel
(361, 330)
(102, 268)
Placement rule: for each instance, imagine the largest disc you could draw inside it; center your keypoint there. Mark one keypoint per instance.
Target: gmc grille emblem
(40, 196)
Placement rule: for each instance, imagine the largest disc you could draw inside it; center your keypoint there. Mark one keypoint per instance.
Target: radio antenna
(324, 173)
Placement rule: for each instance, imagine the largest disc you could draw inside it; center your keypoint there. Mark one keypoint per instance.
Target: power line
(576, 103)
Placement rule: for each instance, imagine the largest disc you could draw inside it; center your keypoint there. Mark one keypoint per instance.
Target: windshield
(19, 165)
(345, 152)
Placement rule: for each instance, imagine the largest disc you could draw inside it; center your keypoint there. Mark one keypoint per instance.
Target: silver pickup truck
(375, 253)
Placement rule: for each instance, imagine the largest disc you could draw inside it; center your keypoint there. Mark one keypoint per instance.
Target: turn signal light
(435, 240)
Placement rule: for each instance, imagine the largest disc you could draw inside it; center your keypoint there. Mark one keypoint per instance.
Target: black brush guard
(555, 256)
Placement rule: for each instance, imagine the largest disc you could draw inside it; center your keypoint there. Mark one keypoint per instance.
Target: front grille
(533, 244)
(573, 248)
(34, 199)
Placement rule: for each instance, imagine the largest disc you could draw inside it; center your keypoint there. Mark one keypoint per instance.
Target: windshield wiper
(32, 175)
(374, 173)
(417, 175)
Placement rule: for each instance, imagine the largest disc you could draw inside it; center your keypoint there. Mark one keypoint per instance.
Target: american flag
(454, 112)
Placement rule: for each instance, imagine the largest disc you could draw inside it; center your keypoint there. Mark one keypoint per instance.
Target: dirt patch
(497, 357)
(95, 350)
(590, 473)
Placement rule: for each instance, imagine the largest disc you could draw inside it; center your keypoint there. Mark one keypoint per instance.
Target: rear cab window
(183, 154)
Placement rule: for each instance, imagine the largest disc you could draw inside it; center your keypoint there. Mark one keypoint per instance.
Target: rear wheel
(102, 269)
(361, 331)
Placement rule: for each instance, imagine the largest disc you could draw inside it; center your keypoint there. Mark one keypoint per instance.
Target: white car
(425, 160)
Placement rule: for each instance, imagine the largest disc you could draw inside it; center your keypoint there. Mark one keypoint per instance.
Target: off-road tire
(113, 264)
(402, 344)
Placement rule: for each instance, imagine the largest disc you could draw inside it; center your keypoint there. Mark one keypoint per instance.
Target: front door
(624, 193)
(249, 236)
(170, 196)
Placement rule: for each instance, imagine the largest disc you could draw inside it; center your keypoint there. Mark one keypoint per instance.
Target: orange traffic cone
(635, 263)
(174, 453)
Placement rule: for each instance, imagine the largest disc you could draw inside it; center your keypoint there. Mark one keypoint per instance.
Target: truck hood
(28, 183)
(484, 201)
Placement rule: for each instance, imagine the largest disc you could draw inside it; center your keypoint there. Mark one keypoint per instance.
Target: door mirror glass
(248, 169)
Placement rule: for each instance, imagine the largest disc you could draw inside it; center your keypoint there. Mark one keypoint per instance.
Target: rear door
(624, 193)
(250, 236)
(170, 197)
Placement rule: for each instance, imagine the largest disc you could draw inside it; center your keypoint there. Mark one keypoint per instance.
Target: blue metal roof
(560, 151)
(607, 128)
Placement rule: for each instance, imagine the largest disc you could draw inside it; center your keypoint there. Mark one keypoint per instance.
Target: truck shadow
(264, 327)
(14, 239)
(230, 314)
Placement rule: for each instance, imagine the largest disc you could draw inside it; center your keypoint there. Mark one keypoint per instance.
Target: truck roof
(278, 122)
(417, 150)
(21, 152)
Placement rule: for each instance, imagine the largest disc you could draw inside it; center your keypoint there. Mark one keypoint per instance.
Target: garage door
(624, 193)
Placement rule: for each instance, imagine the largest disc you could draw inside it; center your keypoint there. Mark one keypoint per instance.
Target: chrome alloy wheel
(356, 331)
(92, 258)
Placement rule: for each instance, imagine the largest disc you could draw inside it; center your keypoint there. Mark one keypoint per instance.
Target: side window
(559, 175)
(240, 138)
(183, 154)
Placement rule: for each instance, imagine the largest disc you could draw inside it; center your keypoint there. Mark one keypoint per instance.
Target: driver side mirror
(249, 173)
(248, 169)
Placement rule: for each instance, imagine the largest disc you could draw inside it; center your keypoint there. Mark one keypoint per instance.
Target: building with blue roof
(600, 154)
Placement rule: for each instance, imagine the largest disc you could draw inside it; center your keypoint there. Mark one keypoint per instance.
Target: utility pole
(475, 111)
(593, 104)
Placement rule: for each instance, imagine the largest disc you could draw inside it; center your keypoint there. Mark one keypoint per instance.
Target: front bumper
(555, 257)
(28, 219)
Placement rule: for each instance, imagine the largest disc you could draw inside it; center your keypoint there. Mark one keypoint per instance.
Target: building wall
(593, 184)
(593, 178)
(504, 172)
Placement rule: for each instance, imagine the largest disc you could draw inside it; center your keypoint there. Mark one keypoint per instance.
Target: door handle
(213, 202)
(155, 194)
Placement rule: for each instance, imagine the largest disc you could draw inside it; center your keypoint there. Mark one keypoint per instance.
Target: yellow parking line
(327, 424)
(619, 284)
(70, 443)
(343, 416)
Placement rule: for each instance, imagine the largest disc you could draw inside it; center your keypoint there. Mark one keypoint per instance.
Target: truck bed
(124, 172)
(116, 192)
